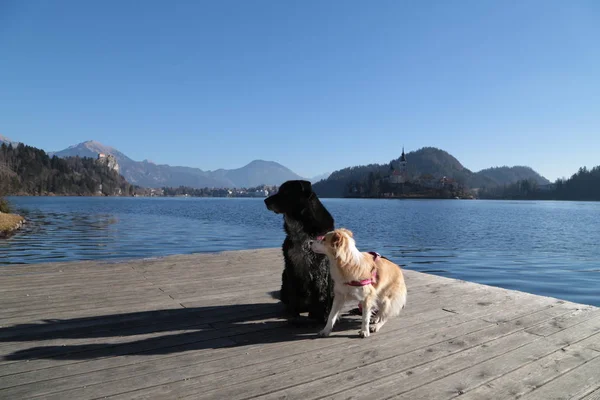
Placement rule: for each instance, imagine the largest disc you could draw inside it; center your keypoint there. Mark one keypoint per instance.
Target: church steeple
(398, 170)
(403, 156)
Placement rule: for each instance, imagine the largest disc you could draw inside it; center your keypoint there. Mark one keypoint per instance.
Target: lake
(541, 247)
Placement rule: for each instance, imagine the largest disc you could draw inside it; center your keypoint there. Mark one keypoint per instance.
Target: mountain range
(148, 174)
(428, 161)
(26, 170)
(506, 175)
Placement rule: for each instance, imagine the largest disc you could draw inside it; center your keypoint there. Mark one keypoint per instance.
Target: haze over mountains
(428, 160)
(148, 174)
(4, 139)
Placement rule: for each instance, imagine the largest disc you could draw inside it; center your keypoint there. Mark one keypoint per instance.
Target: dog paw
(363, 334)
(324, 333)
(374, 328)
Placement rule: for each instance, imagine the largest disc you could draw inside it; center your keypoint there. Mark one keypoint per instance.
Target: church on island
(398, 172)
(396, 182)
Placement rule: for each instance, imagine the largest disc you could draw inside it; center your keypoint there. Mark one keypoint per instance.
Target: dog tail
(397, 303)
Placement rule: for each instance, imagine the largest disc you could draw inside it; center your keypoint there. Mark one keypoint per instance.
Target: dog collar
(366, 282)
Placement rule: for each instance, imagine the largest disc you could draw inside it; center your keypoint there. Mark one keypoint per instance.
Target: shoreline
(405, 198)
(10, 224)
(321, 197)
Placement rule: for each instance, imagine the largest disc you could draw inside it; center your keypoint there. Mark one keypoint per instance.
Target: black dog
(306, 281)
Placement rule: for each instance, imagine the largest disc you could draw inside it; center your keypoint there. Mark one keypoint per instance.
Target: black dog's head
(296, 200)
(291, 197)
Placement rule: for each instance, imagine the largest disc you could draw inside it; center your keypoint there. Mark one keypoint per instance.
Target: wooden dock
(205, 327)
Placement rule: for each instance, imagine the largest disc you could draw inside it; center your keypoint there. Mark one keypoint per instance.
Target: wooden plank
(180, 259)
(277, 352)
(128, 334)
(210, 380)
(411, 309)
(83, 300)
(417, 378)
(595, 395)
(496, 336)
(95, 329)
(48, 290)
(457, 383)
(65, 309)
(360, 380)
(160, 304)
(149, 338)
(472, 376)
(196, 371)
(575, 384)
(25, 269)
(197, 339)
(534, 375)
(57, 307)
(259, 343)
(592, 342)
(79, 293)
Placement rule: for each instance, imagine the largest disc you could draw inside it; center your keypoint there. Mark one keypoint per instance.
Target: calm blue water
(547, 248)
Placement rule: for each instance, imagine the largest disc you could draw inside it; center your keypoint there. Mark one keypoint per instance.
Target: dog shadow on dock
(155, 332)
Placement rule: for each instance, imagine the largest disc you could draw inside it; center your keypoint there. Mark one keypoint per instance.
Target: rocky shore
(9, 224)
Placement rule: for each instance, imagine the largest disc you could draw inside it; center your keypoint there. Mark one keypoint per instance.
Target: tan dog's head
(338, 244)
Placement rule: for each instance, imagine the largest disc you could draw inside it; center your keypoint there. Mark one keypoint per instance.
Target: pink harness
(364, 282)
(373, 278)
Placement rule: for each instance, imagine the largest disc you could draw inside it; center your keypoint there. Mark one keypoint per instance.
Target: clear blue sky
(315, 85)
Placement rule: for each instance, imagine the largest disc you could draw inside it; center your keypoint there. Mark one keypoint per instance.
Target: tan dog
(367, 277)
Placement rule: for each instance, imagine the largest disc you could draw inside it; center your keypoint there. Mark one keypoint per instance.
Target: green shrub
(4, 206)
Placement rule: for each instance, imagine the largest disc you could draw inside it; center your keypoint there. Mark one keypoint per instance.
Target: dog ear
(347, 232)
(306, 186)
(336, 239)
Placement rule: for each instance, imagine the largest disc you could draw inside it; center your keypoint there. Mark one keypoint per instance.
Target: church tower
(402, 171)
(399, 175)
